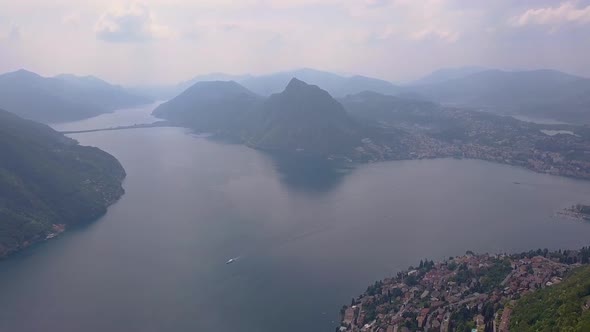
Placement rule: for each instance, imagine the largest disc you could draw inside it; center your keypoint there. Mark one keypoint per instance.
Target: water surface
(308, 238)
(125, 117)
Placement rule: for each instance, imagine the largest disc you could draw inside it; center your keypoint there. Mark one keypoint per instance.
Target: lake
(306, 237)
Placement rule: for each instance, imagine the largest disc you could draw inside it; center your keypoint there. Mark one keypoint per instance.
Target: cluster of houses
(472, 291)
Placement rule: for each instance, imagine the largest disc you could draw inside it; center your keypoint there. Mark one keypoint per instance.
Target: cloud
(567, 12)
(71, 19)
(132, 23)
(435, 34)
(12, 33)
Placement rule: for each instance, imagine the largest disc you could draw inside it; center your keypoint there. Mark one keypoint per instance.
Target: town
(459, 133)
(466, 293)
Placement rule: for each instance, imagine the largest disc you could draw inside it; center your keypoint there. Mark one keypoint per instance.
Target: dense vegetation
(216, 107)
(563, 307)
(302, 118)
(46, 179)
(61, 98)
(306, 118)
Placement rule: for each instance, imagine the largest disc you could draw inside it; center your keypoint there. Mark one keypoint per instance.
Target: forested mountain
(61, 98)
(301, 118)
(48, 182)
(214, 107)
(306, 118)
(375, 107)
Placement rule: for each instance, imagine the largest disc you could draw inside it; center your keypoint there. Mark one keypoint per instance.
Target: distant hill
(61, 98)
(48, 179)
(304, 118)
(167, 92)
(336, 85)
(540, 93)
(266, 85)
(379, 108)
(447, 74)
(216, 107)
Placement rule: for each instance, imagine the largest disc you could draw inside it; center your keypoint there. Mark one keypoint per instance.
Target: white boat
(231, 260)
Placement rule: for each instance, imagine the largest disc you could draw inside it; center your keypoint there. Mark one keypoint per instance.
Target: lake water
(307, 238)
(126, 117)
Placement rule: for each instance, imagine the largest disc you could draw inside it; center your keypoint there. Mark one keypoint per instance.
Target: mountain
(336, 85)
(447, 74)
(61, 98)
(304, 118)
(266, 85)
(378, 108)
(217, 107)
(48, 181)
(540, 93)
(167, 92)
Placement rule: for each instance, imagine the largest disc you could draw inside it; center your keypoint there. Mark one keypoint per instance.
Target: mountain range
(301, 118)
(537, 93)
(266, 85)
(63, 97)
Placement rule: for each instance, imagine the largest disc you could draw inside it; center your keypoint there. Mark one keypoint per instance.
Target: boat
(231, 260)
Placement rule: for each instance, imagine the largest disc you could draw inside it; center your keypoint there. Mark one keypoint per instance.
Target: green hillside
(46, 179)
(563, 307)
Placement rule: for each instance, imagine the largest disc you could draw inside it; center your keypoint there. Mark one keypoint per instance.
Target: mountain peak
(217, 90)
(23, 73)
(297, 87)
(295, 83)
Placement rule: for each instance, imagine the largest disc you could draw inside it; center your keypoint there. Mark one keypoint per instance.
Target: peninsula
(48, 182)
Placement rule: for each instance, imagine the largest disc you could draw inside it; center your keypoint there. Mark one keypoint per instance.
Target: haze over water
(306, 243)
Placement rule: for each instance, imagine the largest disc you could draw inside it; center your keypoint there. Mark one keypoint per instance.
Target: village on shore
(465, 293)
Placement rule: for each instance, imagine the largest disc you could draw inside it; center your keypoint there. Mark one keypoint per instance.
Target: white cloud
(12, 32)
(71, 19)
(567, 12)
(131, 23)
(436, 34)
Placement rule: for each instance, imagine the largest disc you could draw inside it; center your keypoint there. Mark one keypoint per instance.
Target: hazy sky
(166, 41)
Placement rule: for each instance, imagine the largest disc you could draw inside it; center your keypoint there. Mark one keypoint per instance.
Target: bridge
(135, 126)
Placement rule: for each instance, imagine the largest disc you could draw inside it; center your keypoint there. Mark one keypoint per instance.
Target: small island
(470, 292)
